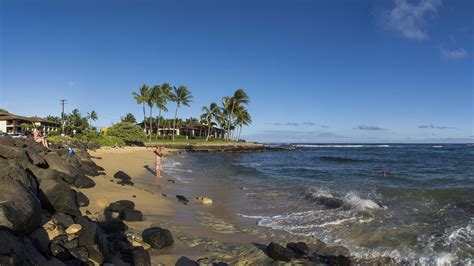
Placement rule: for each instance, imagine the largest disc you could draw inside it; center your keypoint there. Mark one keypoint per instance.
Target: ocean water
(422, 211)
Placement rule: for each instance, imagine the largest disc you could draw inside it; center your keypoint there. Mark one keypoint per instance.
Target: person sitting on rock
(38, 138)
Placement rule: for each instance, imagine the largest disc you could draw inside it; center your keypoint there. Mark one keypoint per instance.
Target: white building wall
(3, 126)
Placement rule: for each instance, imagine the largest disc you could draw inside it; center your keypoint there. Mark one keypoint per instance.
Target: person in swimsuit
(158, 151)
(38, 138)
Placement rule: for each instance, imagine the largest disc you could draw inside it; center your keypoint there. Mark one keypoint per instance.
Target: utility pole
(63, 102)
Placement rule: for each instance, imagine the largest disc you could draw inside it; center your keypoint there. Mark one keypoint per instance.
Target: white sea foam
(359, 204)
(437, 146)
(342, 146)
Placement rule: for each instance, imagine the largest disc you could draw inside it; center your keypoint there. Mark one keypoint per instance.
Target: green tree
(142, 98)
(129, 117)
(127, 132)
(240, 97)
(152, 100)
(162, 98)
(3, 110)
(209, 114)
(181, 96)
(91, 116)
(242, 118)
(56, 119)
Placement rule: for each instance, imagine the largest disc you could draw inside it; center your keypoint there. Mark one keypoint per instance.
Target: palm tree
(181, 96)
(152, 100)
(210, 113)
(91, 116)
(230, 103)
(242, 117)
(162, 98)
(129, 117)
(142, 98)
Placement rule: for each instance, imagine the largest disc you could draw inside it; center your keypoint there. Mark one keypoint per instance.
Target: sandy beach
(201, 231)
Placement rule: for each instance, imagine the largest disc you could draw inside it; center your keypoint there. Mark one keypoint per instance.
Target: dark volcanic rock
(83, 181)
(122, 176)
(82, 199)
(20, 209)
(36, 158)
(40, 239)
(140, 257)
(11, 170)
(330, 260)
(131, 215)
(62, 219)
(112, 226)
(280, 253)
(54, 262)
(182, 199)
(71, 244)
(120, 205)
(184, 261)
(58, 196)
(59, 164)
(80, 253)
(18, 251)
(300, 248)
(157, 237)
(94, 239)
(330, 203)
(56, 248)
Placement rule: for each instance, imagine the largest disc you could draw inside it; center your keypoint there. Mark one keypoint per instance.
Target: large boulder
(56, 195)
(18, 251)
(36, 158)
(59, 164)
(20, 209)
(11, 170)
(280, 253)
(157, 237)
(300, 248)
(83, 181)
(120, 205)
(82, 199)
(94, 239)
(131, 215)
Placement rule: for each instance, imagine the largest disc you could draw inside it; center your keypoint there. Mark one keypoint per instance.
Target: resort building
(15, 124)
(192, 130)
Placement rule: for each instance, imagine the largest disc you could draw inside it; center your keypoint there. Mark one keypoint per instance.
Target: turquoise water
(421, 210)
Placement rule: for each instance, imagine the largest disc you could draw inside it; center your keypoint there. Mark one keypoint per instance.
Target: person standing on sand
(158, 151)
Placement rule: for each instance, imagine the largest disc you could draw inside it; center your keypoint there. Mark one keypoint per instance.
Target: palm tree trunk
(208, 130)
(150, 119)
(158, 123)
(240, 131)
(144, 119)
(228, 122)
(174, 121)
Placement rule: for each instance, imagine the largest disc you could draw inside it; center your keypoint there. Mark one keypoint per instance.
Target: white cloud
(454, 54)
(410, 19)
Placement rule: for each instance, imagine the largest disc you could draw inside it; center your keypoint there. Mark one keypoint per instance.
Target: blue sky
(316, 71)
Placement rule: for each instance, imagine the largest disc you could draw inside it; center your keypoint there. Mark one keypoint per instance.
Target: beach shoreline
(216, 231)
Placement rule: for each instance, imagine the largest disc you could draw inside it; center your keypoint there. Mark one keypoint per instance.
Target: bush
(54, 133)
(127, 132)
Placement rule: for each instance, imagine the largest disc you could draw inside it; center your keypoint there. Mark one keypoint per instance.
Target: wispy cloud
(312, 133)
(454, 54)
(410, 18)
(365, 127)
(291, 124)
(309, 123)
(431, 126)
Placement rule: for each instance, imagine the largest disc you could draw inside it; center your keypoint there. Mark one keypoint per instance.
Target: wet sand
(200, 231)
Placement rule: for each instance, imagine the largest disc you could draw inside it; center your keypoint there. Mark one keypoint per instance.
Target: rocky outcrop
(40, 221)
(157, 237)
